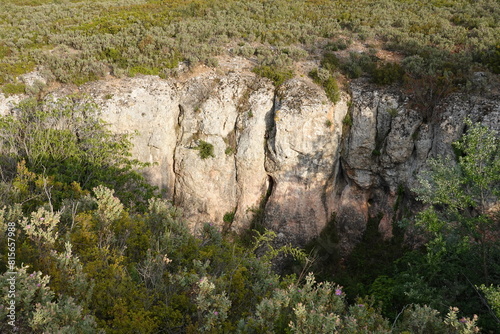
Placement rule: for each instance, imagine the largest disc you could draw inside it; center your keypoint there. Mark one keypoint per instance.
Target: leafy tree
(463, 197)
(493, 296)
(459, 224)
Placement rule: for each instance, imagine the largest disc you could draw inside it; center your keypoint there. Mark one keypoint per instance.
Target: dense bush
(387, 73)
(460, 225)
(276, 75)
(11, 88)
(329, 83)
(206, 149)
(145, 273)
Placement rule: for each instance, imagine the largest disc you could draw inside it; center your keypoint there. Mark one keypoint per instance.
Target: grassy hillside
(78, 41)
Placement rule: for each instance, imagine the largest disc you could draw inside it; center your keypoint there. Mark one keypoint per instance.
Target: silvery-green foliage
(212, 306)
(301, 308)
(12, 213)
(109, 206)
(38, 310)
(198, 32)
(421, 319)
(77, 283)
(109, 209)
(41, 226)
(461, 325)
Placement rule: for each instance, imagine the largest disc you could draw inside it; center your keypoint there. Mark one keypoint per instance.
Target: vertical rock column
(205, 178)
(229, 114)
(255, 111)
(302, 160)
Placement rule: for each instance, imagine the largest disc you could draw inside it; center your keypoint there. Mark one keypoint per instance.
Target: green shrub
(314, 308)
(492, 59)
(4, 51)
(387, 73)
(347, 120)
(66, 140)
(330, 62)
(332, 89)
(206, 149)
(276, 75)
(39, 310)
(420, 319)
(228, 217)
(136, 33)
(143, 70)
(11, 89)
(392, 111)
(329, 83)
(115, 56)
(357, 64)
(492, 294)
(339, 44)
(9, 71)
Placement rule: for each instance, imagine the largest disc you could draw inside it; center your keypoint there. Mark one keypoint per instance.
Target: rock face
(302, 159)
(276, 151)
(173, 118)
(272, 151)
(289, 155)
(387, 146)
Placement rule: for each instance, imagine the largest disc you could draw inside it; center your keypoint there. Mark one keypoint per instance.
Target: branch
(483, 300)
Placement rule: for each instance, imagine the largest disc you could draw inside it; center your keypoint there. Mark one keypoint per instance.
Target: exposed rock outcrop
(389, 144)
(288, 152)
(302, 159)
(228, 113)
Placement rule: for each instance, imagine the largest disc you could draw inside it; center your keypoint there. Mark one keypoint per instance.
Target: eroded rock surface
(302, 159)
(290, 153)
(388, 144)
(173, 118)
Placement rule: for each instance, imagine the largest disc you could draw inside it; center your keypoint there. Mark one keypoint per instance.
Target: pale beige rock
(256, 108)
(289, 154)
(149, 108)
(205, 188)
(8, 102)
(302, 159)
(234, 180)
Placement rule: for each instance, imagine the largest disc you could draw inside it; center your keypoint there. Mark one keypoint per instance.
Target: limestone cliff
(290, 152)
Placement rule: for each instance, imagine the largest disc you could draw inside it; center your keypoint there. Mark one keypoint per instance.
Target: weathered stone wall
(286, 151)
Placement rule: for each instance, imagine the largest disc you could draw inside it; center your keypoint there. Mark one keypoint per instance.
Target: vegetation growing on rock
(95, 261)
(80, 41)
(97, 250)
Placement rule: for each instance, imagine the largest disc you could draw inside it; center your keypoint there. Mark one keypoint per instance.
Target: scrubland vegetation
(97, 250)
(77, 41)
